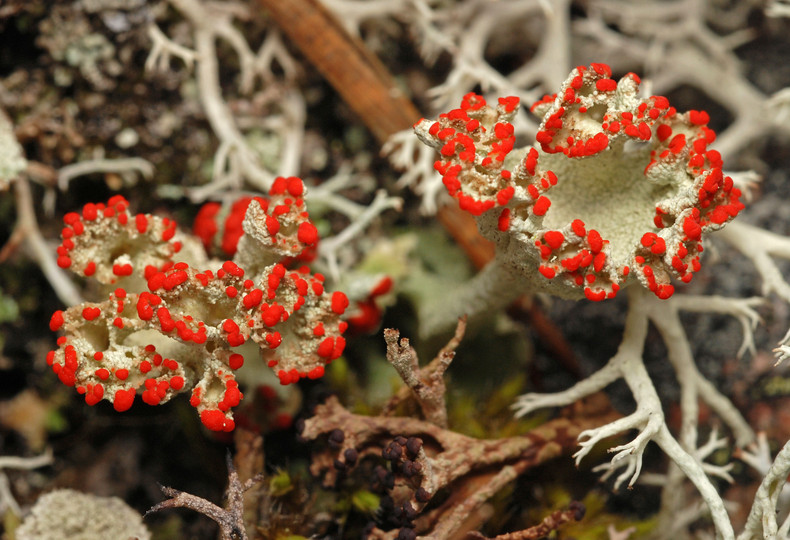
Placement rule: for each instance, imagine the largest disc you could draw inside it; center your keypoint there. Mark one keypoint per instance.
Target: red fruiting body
(367, 314)
(282, 216)
(584, 125)
(211, 309)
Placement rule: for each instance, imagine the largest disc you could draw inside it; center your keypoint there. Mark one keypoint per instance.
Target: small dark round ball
(407, 469)
(351, 456)
(336, 437)
(382, 479)
(578, 509)
(393, 451)
(407, 534)
(413, 446)
(409, 513)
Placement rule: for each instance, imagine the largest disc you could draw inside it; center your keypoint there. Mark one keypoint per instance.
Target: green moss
(280, 484)
(597, 519)
(365, 501)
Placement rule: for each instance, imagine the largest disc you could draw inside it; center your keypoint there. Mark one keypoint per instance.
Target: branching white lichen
(762, 520)
(648, 417)
(329, 247)
(68, 172)
(416, 160)
(740, 308)
(234, 162)
(693, 386)
(7, 500)
(762, 247)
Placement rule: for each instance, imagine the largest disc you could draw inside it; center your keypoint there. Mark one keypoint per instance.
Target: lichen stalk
(693, 385)
(26, 230)
(696, 474)
(491, 289)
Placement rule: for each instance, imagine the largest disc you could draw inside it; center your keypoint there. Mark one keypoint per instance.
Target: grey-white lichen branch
(7, 500)
(27, 234)
(648, 419)
(762, 520)
(234, 162)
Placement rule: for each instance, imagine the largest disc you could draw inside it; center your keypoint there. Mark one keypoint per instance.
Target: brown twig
(230, 518)
(476, 468)
(249, 461)
(357, 75)
(552, 522)
(425, 384)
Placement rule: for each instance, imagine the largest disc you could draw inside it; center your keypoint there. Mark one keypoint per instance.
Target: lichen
(66, 514)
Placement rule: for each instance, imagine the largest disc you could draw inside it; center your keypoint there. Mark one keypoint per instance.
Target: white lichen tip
(12, 161)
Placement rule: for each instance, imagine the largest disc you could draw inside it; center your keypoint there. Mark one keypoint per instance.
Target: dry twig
(426, 384)
(230, 518)
(430, 457)
(552, 522)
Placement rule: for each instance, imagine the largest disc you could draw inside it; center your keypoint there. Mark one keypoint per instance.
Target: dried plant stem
(230, 518)
(425, 384)
(359, 76)
(552, 522)
(476, 468)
